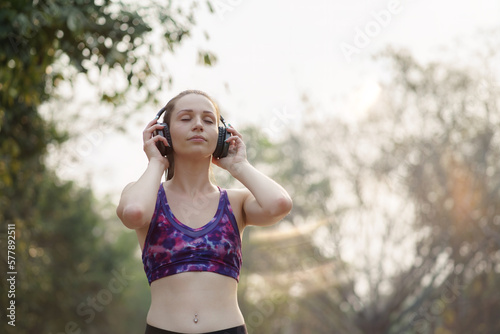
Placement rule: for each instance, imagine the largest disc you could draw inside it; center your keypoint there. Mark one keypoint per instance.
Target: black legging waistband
(234, 330)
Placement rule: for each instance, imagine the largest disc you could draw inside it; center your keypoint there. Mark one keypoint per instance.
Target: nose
(198, 124)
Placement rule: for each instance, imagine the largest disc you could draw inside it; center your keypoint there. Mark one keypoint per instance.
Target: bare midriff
(194, 302)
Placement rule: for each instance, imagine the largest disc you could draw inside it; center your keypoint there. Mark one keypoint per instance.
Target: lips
(197, 138)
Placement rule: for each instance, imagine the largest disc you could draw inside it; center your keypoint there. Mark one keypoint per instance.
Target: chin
(196, 153)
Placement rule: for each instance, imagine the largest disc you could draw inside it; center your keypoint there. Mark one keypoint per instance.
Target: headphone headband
(162, 110)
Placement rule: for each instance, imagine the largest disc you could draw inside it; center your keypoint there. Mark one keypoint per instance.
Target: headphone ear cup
(222, 148)
(164, 150)
(225, 144)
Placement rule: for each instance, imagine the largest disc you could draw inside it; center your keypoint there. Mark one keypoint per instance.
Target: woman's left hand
(236, 155)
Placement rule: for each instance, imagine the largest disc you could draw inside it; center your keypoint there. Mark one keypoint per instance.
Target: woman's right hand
(150, 140)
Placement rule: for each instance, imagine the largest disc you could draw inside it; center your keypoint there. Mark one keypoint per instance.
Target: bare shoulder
(128, 186)
(236, 198)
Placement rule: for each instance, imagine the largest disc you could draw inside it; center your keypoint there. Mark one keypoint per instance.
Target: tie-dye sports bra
(172, 247)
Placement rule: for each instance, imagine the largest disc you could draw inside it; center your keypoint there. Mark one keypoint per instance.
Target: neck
(191, 177)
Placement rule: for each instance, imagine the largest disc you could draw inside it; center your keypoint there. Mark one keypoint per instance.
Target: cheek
(174, 134)
(178, 133)
(214, 136)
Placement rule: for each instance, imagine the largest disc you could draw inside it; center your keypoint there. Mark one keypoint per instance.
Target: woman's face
(193, 126)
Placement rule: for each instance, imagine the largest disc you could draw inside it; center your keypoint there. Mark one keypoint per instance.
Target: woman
(193, 266)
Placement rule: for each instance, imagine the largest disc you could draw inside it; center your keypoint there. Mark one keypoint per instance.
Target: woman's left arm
(265, 201)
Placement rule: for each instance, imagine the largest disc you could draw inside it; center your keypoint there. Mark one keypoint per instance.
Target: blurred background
(381, 118)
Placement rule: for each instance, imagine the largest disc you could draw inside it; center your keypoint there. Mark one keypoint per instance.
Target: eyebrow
(191, 110)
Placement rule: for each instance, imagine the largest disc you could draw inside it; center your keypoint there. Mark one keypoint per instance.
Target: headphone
(221, 149)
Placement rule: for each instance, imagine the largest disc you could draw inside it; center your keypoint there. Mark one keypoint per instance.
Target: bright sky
(271, 53)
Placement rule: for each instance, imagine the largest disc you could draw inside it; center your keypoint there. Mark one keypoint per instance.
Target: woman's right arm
(138, 199)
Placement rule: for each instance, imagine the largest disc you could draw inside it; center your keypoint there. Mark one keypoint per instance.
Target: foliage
(449, 149)
(67, 262)
(401, 233)
(70, 260)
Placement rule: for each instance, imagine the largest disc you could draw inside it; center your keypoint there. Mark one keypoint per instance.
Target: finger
(151, 145)
(235, 143)
(153, 121)
(156, 127)
(235, 138)
(161, 138)
(234, 132)
(232, 139)
(157, 138)
(148, 132)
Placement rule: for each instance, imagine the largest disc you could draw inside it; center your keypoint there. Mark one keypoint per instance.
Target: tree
(402, 208)
(68, 268)
(450, 152)
(424, 165)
